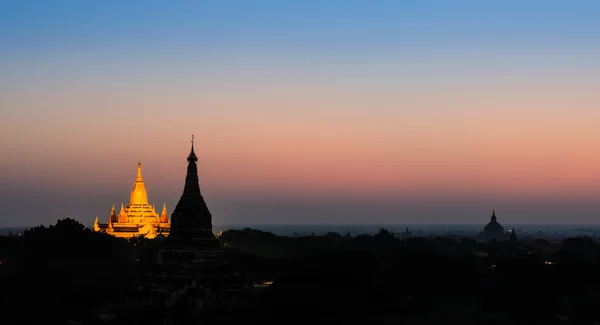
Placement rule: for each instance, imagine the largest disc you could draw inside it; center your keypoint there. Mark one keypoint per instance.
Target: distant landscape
(548, 231)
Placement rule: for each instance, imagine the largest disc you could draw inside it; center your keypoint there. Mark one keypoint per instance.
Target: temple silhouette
(138, 217)
(189, 274)
(495, 231)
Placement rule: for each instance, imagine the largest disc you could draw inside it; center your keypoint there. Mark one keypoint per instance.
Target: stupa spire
(163, 216)
(96, 224)
(192, 155)
(122, 214)
(138, 194)
(192, 185)
(138, 178)
(113, 214)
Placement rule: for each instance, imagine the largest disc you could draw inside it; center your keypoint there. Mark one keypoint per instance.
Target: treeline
(376, 279)
(269, 245)
(65, 271)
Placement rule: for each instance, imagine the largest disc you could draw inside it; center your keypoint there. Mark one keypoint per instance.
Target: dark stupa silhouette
(191, 221)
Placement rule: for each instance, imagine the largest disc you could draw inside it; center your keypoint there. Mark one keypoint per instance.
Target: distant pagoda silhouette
(494, 230)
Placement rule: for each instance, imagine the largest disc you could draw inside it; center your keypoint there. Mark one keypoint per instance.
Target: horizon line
(363, 224)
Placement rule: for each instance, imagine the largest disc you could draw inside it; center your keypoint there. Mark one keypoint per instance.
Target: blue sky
(361, 26)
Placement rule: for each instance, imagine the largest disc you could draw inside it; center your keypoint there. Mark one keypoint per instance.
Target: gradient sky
(305, 112)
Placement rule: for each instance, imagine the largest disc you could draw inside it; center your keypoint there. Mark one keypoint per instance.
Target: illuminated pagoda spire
(113, 214)
(96, 224)
(139, 196)
(164, 218)
(123, 214)
(191, 219)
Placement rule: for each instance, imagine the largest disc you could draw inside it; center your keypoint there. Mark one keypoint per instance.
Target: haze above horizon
(320, 112)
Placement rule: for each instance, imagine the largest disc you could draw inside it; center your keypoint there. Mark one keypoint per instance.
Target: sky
(304, 112)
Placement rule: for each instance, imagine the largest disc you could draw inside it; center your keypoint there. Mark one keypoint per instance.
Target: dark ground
(67, 273)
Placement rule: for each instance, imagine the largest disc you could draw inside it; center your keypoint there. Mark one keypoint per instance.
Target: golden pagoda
(138, 217)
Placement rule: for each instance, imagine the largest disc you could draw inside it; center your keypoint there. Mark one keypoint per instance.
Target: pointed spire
(96, 224)
(493, 214)
(138, 178)
(138, 193)
(192, 155)
(164, 218)
(113, 215)
(192, 186)
(122, 214)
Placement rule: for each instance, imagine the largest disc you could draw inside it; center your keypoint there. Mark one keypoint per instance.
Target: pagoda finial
(139, 173)
(192, 156)
(493, 214)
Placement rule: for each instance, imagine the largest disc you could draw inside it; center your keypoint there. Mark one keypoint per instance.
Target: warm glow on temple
(138, 217)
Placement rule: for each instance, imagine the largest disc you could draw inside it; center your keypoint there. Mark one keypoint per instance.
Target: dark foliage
(65, 272)
(382, 279)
